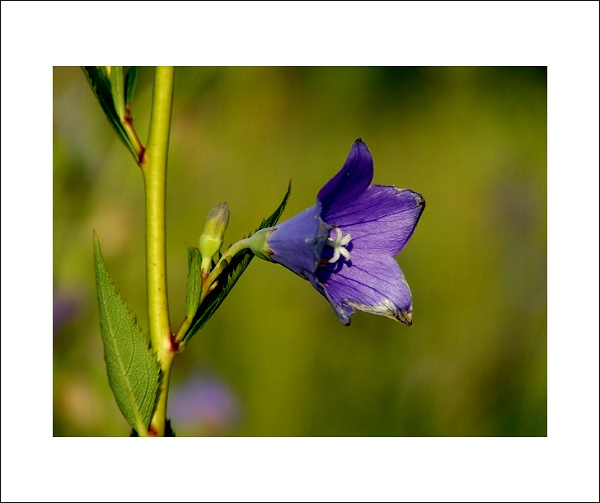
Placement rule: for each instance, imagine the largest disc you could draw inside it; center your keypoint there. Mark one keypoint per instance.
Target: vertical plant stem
(154, 167)
(157, 425)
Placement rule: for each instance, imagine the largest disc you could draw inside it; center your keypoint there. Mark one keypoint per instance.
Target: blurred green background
(274, 360)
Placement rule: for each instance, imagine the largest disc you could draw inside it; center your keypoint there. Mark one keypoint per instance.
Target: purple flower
(205, 400)
(345, 244)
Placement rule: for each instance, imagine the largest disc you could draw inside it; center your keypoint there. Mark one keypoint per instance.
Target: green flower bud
(211, 239)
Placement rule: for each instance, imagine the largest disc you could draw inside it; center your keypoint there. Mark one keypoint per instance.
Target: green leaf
(132, 368)
(230, 275)
(117, 88)
(194, 281)
(105, 84)
(130, 82)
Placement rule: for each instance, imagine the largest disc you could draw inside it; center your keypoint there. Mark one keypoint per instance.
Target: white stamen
(336, 256)
(344, 252)
(338, 244)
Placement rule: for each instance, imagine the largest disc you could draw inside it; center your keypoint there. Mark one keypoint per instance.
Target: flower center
(339, 245)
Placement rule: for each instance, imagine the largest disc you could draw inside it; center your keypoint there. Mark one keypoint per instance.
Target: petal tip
(385, 308)
(350, 182)
(420, 201)
(405, 317)
(359, 147)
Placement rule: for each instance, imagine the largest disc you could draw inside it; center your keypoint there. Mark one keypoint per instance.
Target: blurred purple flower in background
(66, 305)
(204, 402)
(345, 244)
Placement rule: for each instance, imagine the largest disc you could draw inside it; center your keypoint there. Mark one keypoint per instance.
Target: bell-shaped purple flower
(345, 244)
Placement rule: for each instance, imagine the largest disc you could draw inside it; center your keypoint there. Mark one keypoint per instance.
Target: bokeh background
(274, 360)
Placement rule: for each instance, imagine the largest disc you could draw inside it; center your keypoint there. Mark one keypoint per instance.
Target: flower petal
(298, 242)
(371, 283)
(381, 219)
(351, 181)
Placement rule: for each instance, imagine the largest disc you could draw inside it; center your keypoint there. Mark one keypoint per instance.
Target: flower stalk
(209, 282)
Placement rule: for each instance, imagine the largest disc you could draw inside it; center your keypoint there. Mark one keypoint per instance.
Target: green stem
(208, 280)
(157, 425)
(182, 330)
(227, 257)
(154, 168)
(138, 152)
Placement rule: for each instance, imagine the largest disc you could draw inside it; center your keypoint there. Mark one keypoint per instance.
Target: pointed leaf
(194, 281)
(102, 85)
(230, 275)
(132, 368)
(130, 82)
(117, 87)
